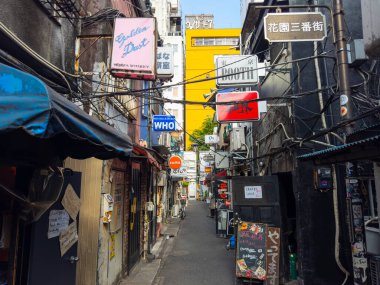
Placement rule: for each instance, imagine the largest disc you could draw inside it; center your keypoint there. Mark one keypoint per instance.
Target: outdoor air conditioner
(238, 140)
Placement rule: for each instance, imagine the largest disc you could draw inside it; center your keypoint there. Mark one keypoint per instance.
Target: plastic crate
(374, 267)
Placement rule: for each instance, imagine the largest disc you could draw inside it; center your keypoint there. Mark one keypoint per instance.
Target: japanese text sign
(134, 48)
(293, 27)
(273, 256)
(165, 62)
(241, 111)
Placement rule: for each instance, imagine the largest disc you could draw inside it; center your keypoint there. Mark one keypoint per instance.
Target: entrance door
(46, 266)
(134, 216)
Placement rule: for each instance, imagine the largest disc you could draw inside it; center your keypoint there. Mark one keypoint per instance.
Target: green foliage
(198, 135)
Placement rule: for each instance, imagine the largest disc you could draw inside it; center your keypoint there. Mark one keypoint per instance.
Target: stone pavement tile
(145, 274)
(171, 227)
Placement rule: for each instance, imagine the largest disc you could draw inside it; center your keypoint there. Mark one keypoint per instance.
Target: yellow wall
(199, 60)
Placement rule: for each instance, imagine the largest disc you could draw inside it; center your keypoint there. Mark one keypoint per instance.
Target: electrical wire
(321, 55)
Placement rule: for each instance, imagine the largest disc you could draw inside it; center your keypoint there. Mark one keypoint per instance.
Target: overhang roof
(364, 149)
(37, 124)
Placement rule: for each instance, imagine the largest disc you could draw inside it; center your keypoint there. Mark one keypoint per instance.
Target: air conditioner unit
(237, 141)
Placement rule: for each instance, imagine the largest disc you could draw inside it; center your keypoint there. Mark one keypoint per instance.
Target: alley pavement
(196, 255)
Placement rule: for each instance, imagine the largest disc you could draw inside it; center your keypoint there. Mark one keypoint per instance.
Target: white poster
(58, 221)
(253, 192)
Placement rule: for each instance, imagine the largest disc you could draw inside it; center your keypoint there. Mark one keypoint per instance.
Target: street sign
(163, 123)
(208, 158)
(236, 70)
(211, 139)
(180, 172)
(175, 162)
(295, 27)
(165, 65)
(221, 159)
(237, 112)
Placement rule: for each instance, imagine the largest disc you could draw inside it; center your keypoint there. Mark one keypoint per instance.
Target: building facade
(75, 144)
(202, 46)
(169, 18)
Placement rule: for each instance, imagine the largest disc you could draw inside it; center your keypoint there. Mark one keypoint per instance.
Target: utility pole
(353, 193)
(346, 110)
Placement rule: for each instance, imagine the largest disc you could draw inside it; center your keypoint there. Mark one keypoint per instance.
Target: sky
(226, 12)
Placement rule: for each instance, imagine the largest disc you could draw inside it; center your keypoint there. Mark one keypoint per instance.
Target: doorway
(134, 216)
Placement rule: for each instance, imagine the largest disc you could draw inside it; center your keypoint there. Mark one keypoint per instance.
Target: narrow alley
(196, 255)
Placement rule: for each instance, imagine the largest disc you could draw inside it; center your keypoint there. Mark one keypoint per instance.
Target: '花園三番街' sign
(295, 27)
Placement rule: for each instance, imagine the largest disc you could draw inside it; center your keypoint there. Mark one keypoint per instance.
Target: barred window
(68, 9)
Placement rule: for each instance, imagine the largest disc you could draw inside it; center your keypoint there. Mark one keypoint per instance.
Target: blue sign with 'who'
(163, 123)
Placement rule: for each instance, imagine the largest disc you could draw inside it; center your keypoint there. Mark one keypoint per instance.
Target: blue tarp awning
(38, 124)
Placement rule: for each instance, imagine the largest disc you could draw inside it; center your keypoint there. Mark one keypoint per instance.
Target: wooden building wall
(89, 216)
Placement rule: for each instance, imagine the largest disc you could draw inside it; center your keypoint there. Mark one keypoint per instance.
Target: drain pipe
(335, 190)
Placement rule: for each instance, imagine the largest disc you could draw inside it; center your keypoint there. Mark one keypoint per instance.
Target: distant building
(169, 23)
(202, 45)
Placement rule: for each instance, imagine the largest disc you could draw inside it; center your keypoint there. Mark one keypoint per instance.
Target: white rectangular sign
(211, 139)
(253, 192)
(221, 159)
(180, 172)
(165, 62)
(58, 221)
(236, 70)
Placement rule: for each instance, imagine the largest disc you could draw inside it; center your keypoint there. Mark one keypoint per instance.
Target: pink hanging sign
(134, 48)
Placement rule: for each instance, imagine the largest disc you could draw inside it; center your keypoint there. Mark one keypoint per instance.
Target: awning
(221, 175)
(145, 152)
(37, 124)
(364, 149)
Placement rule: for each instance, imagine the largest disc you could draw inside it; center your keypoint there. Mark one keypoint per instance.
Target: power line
(321, 55)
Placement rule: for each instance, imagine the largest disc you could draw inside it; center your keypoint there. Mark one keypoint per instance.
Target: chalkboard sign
(251, 251)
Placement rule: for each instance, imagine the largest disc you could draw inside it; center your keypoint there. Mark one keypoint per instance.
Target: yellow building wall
(200, 60)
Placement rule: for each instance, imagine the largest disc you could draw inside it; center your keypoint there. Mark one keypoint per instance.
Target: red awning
(222, 173)
(143, 151)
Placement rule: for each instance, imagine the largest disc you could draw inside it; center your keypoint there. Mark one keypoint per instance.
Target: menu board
(251, 251)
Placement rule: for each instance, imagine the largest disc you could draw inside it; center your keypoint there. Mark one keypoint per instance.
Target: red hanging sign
(244, 111)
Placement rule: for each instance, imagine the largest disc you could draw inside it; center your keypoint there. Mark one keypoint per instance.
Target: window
(230, 41)
(68, 9)
(175, 114)
(175, 91)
